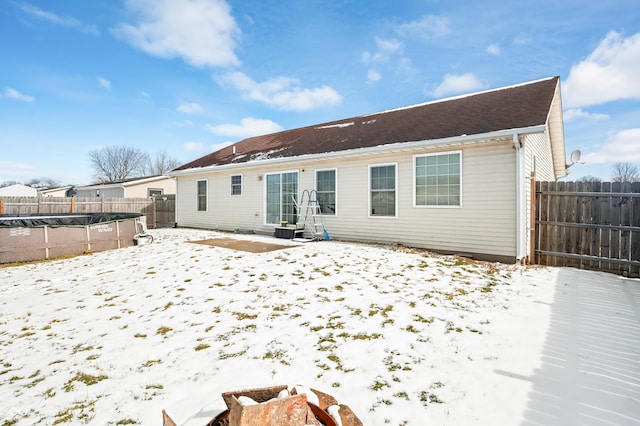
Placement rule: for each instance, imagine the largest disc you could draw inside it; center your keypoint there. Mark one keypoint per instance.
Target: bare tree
(116, 163)
(8, 183)
(43, 183)
(159, 164)
(589, 178)
(625, 172)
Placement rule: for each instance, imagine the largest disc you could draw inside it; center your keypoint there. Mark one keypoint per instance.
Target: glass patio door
(281, 190)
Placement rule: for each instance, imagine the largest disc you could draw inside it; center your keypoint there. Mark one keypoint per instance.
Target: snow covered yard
(403, 337)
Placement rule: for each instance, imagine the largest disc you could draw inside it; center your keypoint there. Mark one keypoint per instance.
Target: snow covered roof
(514, 107)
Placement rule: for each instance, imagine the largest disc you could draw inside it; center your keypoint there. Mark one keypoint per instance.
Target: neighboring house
(18, 190)
(62, 191)
(452, 175)
(131, 188)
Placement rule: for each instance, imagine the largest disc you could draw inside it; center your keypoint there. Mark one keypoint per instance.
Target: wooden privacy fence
(159, 210)
(592, 225)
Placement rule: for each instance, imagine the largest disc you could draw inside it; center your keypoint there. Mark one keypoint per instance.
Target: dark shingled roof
(501, 109)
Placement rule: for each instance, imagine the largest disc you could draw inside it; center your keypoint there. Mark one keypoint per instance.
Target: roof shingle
(512, 107)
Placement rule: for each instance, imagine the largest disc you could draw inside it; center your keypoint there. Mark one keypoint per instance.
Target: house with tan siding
(140, 187)
(451, 175)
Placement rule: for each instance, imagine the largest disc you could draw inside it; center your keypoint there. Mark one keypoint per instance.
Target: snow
(404, 337)
(340, 125)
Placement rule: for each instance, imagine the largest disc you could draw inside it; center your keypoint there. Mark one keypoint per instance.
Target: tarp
(58, 220)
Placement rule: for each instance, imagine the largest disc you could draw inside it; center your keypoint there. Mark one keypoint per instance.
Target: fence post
(1, 206)
(73, 204)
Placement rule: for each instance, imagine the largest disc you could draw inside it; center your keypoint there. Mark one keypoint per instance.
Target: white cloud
(384, 50)
(579, 114)
(144, 94)
(427, 28)
(493, 49)
(247, 127)
(201, 32)
(623, 146)
(283, 93)
(190, 108)
(64, 21)
(609, 73)
(454, 84)
(373, 75)
(14, 94)
(104, 83)
(193, 146)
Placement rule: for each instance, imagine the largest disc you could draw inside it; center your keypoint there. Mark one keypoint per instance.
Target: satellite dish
(575, 156)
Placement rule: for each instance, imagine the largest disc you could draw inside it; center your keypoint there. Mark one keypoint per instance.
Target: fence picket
(152, 208)
(592, 225)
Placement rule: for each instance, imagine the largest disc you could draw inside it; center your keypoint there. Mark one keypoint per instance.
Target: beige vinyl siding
(538, 159)
(484, 223)
(167, 185)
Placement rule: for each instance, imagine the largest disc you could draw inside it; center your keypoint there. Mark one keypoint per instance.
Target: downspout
(520, 218)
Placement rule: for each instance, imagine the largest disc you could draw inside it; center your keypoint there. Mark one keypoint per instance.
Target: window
(281, 188)
(236, 185)
(382, 181)
(155, 191)
(326, 190)
(202, 195)
(437, 179)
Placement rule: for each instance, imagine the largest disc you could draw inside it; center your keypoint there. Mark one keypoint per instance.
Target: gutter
(398, 147)
(520, 201)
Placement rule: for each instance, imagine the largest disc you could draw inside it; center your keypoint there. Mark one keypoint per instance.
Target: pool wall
(24, 239)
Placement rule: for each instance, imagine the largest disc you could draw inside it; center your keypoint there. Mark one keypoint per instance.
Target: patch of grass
(429, 398)
(201, 346)
(402, 395)
(127, 422)
(140, 336)
(244, 316)
(365, 336)
(378, 385)
(84, 378)
(223, 356)
(154, 387)
(163, 330)
(150, 362)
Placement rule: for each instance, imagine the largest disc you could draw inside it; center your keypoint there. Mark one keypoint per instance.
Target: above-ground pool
(25, 238)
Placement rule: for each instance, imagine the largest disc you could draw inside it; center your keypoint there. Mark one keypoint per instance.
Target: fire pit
(280, 405)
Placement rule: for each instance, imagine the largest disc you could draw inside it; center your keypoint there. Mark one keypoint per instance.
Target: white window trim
(315, 185)
(264, 192)
(369, 191)
(241, 185)
(413, 182)
(206, 193)
(154, 189)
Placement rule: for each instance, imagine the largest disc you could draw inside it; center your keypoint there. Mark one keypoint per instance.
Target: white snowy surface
(403, 337)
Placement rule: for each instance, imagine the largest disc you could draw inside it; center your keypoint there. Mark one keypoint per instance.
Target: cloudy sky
(189, 76)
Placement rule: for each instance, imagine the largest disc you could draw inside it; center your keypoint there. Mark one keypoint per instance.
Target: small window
(236, 185)
(202, 195)
(154, 191)
(326, 190)
(382, 181)
(438, 179)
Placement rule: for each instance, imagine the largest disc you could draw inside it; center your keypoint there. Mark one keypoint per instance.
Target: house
(18, 190)
(453, 175)
(141, 187)
(61, 191)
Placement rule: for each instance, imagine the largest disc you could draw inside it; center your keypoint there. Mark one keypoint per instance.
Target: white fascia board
(392, 147)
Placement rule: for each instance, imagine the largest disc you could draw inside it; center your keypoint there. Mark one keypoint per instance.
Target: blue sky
(189, 76)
